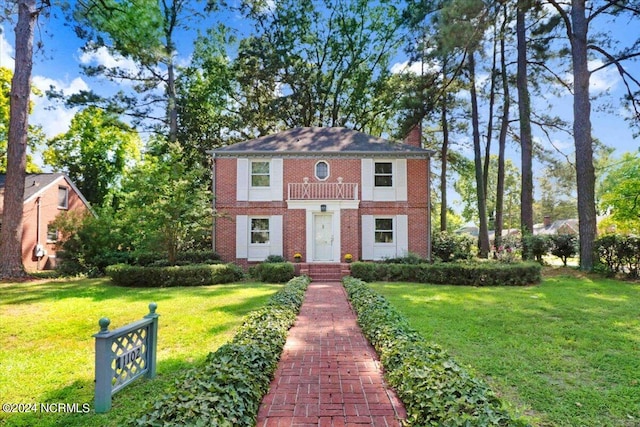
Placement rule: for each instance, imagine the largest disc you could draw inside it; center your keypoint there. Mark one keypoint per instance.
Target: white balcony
(323, 191)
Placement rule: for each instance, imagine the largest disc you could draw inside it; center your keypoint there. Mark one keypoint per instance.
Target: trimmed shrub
(160, 277)
(434, 388)
(228, 389)
(274, 272)
(469, 274)
(274, 258)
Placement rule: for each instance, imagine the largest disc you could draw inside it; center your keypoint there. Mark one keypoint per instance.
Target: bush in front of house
(434, 388)
(161, 277)
(228, 389)
(274, 272)
(469, 274)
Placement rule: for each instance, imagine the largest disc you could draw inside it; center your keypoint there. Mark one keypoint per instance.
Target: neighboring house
(323, 193)
(45, 196)
(561, 226)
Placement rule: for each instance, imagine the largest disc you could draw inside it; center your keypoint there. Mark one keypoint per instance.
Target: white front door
(323, 237)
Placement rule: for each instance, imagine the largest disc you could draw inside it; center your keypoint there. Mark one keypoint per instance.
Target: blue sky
(57, 64)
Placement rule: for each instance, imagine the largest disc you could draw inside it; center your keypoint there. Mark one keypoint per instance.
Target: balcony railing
(323, 191)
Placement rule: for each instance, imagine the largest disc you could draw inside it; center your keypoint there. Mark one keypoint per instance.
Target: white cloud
(604, 80)
(6, 52)
(414, 68)
(102, 56)
(54, 118)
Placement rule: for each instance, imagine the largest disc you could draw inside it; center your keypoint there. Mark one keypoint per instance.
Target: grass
(47, 352)
(566, 352)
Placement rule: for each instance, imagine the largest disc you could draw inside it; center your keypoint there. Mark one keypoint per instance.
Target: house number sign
(124, 354)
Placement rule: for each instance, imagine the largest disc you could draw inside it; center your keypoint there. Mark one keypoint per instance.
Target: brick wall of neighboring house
(39, 212)
(294, 220)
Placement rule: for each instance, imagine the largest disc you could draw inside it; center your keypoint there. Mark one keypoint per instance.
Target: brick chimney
(546, 221)
(414, 137)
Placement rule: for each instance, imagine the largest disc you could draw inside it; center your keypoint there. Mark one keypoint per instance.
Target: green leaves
(435, 390)
(228, 389)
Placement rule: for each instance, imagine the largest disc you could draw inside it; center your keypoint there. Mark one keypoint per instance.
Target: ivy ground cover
(47, 349)
(564, 352)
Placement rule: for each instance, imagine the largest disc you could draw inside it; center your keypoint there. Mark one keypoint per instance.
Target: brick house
(323, 193)
(45, 196)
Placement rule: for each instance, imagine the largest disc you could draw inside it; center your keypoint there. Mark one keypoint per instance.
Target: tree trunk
(483, 230)
(444, 152)
(585, 172)
(504, 126)
(11, 235)
(524, 109)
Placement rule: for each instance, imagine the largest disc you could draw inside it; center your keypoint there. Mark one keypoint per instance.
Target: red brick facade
(416, 207)
(41, 207)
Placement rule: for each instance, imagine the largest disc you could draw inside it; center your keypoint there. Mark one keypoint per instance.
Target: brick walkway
(328, 374)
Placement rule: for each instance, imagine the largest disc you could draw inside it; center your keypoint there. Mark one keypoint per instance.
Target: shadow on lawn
(97, 290)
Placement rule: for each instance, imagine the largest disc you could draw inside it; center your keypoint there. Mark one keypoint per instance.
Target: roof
(330, 141)
(38, 182)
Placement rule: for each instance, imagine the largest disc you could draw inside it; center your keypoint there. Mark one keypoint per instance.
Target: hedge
(469, 274)
(274, 272)
(228, 389)
(161, 277)
(434, 388)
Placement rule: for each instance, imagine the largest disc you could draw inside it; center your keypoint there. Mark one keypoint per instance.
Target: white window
(259, 231)
(384, 180)
(260, 174)
(385, 236)
(383, 174)
(383, 230)
(257, 237)
(52, 234)
(63, 197)
(322, 170)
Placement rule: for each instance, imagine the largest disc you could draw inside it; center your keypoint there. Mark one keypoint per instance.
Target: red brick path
(328, 374)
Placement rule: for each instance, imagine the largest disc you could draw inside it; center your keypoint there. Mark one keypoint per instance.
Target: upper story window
(260, 174)
(63, 197)
(260, 231)
(383, 174)
(322, 170)
(384, 230)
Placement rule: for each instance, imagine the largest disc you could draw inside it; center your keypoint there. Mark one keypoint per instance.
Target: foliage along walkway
(328, 374)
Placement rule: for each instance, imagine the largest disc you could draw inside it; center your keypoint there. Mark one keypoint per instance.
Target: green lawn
(47, 349)
(566, 352)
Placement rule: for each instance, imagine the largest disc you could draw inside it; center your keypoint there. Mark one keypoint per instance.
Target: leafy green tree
(165, 205)
(318, 63)
(95, 152)
(620, 192)
(35, 134)
(465, 186)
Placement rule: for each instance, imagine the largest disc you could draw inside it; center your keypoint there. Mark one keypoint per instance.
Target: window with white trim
(260, 174)
(322, 170)
(383, 174)
(63, 197)
(259, 231)
(383, 232)
(52, 234)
